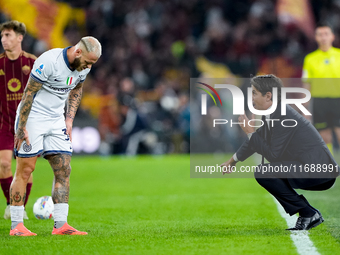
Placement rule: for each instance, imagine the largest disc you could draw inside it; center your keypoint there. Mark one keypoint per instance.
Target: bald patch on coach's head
(90, 44)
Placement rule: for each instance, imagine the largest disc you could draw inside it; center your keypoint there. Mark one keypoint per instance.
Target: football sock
(17, 215)
(60, 214)
(307, 212)
(59, 224)
(28, 191)
(330, 147)
(5, 185)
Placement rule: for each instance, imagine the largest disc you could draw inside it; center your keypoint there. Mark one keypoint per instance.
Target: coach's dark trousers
(281, 186)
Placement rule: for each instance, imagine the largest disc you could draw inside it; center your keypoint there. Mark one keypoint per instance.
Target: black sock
(307, 212)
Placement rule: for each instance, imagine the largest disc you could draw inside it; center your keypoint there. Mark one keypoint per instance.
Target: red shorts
(6, 140)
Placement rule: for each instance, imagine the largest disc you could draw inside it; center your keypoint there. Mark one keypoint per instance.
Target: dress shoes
(306, 223)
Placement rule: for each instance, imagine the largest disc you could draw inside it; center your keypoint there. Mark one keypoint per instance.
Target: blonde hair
(90, 44)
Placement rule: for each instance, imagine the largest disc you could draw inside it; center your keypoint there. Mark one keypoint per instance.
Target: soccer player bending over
(57, 76)
(297, 145)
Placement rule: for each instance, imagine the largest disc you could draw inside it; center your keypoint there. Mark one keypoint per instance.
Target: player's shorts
(47, 136)
(326, 113)
(6, 140)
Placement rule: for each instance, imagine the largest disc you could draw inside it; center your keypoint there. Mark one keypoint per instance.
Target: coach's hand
(69, 124)
(228, 165)
(246, 128)
(20, 136)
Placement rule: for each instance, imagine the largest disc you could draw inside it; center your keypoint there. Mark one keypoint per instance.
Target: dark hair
(323, 24)
(16, 26)
(266, 83)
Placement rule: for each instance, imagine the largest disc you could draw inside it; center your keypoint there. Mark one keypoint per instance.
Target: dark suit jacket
(302, 144)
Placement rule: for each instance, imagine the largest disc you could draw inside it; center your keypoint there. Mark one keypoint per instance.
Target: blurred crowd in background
(139, 89)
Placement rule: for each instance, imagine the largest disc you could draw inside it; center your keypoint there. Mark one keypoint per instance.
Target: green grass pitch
(150, 205)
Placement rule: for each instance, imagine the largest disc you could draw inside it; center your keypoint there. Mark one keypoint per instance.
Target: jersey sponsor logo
(26, 69)
(65, 90)
(69, 81)
(26, 147)
(14, 85)
(39, 69)
(2, 72)
(14, 97)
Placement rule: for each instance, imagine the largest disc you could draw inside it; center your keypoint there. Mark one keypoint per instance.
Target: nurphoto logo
(238, 103)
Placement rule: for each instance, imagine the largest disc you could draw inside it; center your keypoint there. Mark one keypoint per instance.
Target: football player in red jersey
(15, 67)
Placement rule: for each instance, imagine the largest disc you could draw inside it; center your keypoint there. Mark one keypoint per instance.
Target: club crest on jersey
(69, 80)
(26, 147)
(14, 85)
(39, 69)
(26, 69)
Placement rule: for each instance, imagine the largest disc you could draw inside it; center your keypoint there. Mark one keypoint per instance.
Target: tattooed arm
(26, 104)
(72, 107)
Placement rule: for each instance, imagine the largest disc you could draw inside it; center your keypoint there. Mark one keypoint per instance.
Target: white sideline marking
(300, 238)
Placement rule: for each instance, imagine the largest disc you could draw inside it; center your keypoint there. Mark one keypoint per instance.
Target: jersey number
(68, 138)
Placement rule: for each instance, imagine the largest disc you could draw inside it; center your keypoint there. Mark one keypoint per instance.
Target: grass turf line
(328, 203)
(150, 205)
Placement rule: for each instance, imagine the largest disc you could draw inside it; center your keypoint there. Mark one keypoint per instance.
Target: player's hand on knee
(20, 136)
(69, 125)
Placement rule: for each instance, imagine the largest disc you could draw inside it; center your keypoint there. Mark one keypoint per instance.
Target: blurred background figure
(321, 76)
(133, 127)
(152, 48)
